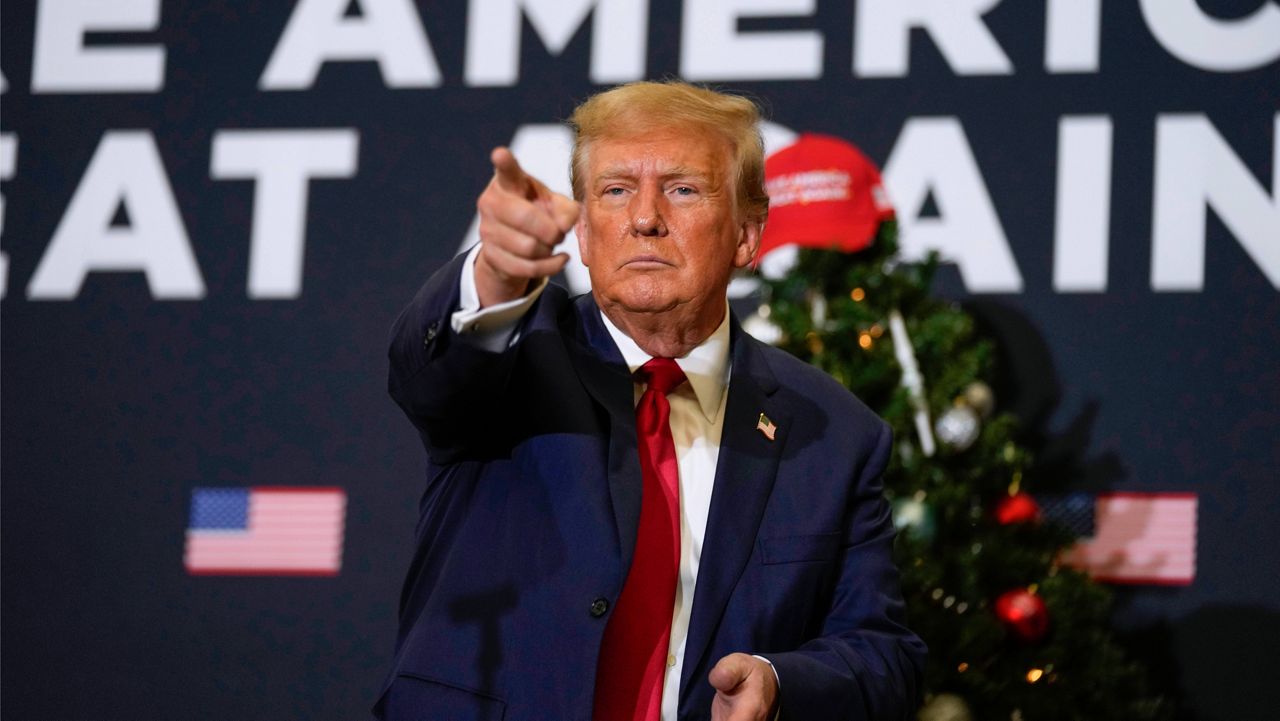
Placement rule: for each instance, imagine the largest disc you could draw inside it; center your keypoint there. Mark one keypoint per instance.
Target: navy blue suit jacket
(528, 524)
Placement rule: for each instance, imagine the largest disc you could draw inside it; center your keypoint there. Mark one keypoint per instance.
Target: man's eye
(613, 191)
(684, 190)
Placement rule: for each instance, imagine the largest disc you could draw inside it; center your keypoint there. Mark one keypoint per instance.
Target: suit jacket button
(599, 607)
(432, 330)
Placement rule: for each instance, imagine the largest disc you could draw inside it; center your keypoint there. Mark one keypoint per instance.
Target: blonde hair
(639, 107)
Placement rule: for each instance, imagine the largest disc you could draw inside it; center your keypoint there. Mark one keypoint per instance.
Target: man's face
(659, 229)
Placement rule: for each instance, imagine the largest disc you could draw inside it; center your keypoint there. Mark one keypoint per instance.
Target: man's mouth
(647, 262)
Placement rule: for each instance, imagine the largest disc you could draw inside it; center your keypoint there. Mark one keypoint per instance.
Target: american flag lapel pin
(766, 426)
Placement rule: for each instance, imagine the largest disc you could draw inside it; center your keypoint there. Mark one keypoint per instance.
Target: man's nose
(646, 213)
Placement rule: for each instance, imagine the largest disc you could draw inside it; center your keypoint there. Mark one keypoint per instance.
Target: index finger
(508, 173)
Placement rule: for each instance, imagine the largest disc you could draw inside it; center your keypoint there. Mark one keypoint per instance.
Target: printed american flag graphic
(266, 531)
(1133, 538)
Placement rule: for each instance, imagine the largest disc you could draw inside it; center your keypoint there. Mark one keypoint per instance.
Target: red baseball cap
(823, 193)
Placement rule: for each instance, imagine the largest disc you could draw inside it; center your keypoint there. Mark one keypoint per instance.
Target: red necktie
(633, 654)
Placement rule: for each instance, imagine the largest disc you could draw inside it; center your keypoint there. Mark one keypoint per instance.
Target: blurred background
(213, 211)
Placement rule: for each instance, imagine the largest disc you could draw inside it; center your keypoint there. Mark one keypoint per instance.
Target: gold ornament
(978, 396)
(815, 342)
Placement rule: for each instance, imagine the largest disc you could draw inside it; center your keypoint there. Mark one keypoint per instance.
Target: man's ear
(580, 230)
(748, 242)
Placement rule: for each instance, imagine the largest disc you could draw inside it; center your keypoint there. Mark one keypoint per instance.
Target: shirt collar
(706, 366)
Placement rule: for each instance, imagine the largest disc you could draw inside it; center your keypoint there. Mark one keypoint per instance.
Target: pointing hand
(521, 223)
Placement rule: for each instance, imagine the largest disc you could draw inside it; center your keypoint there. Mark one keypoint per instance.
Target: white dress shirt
(697, 420)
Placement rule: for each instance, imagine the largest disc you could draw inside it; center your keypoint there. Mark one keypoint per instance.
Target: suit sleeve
(866, 664)
(449, 386)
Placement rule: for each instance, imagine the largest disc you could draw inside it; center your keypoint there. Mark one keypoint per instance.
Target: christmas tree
(1013, 631)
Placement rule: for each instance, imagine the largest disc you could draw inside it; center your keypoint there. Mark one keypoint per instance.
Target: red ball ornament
(1023, 613)
(1018, 508)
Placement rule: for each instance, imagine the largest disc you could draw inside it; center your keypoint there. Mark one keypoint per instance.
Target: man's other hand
(521, 223)
(746, 689)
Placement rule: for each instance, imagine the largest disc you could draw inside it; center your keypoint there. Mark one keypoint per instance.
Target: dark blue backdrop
(117, 400)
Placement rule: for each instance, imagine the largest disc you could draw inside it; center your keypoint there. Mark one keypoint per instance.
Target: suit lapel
(745, 473)
(604, 374)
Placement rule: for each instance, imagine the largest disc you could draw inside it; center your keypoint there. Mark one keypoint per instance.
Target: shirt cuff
(778, 712)
(493, 328)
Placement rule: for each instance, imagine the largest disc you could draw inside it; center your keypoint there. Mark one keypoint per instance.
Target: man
(634, 510)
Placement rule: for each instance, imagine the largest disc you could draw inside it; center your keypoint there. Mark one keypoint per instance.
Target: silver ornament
(945, 707)
(958, 427)
(915, 518)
